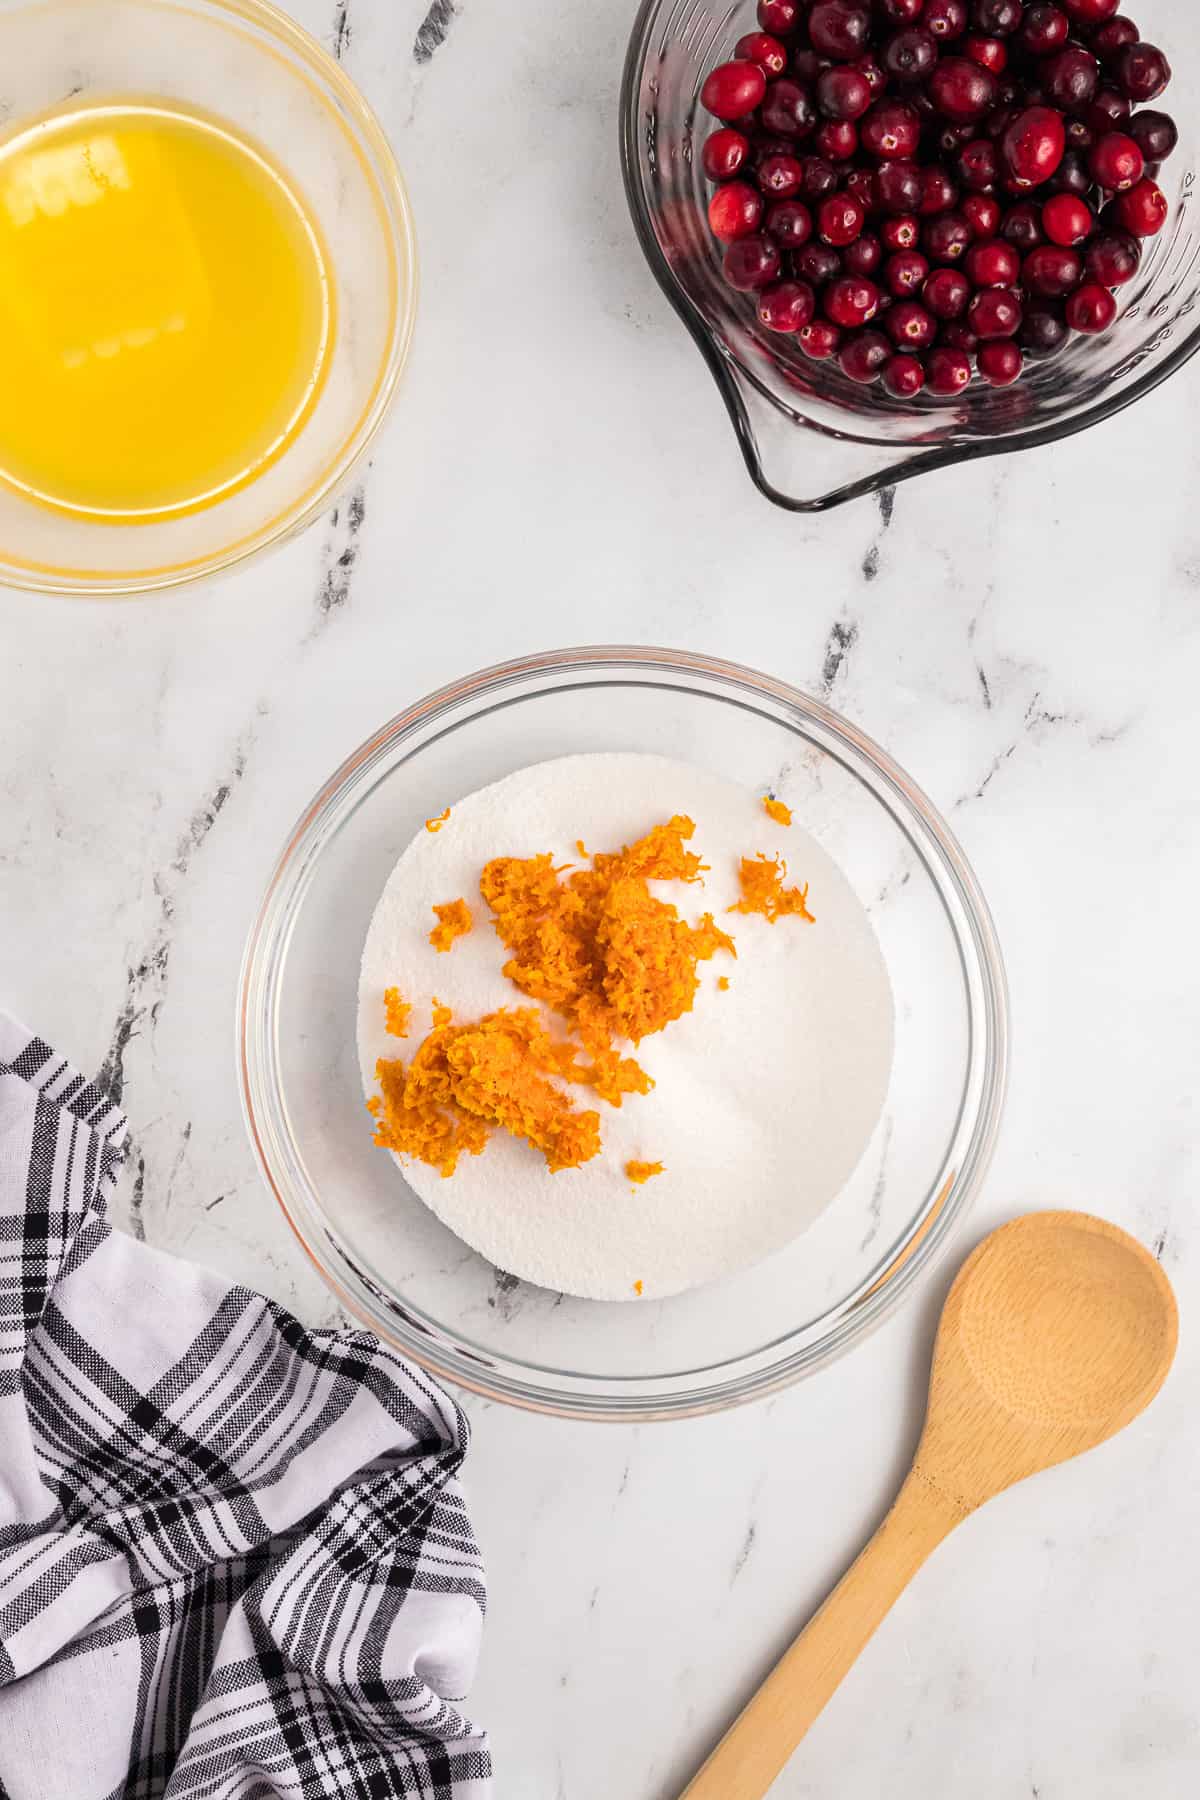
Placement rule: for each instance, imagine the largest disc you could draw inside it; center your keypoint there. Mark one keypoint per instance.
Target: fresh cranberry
(817, 263)
(789, 223)
(788, 109)
(903, 376)
(1142, 72)
(767, 51)
(937, 194)
(820, 340)
(820, 177)
(1033, 145)
(996, 123)
(1043, 329)
(872, 74)
(733, 89)
(994, 264)
(978, 165)
(807, 66)
(1112, 258)
(1116, 162)
(999, 362)
(909, 326)
(838, 29)
(999, 18)
(983, 214)
(1051, 271)
(947, 371)
(779, 16)
(1154, 133)
(780, 176)
(901, 231)
(910, 55)
(1080, 136)
(1071, 175)
(763, 146)
(904, 273)
(862, 357)
(994, 313)
(959, 337)
(840, 218)
(1067, 220)
(851, 301)
(946, 237)
(1070, 79)
(901, 12)
(946, 19)
(1022, 226)
(734, 211)
(752, 263)
(836, 139)
(843, 93)
(900, 186)
(890, 129)
(1044, 29)
(961, 90)
(1091, 308)
(724, 153)
(864, 255)
(946, 293)
(1143, 209)
(1112, 38)
(1088, 13)
(990, 53)
(786, 306)
(1107, 112)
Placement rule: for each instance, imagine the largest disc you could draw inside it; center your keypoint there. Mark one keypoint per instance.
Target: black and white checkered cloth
(235, 1563)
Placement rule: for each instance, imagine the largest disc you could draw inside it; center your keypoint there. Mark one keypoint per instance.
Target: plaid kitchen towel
(235, 1563)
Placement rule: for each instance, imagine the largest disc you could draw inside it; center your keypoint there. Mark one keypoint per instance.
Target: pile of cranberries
(922, 188)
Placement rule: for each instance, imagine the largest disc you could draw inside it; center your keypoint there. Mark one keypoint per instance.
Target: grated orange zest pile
(436, 824)
(775, 809)
(454, 921)
(762, 878)
(643, 1171)
(397, 1012)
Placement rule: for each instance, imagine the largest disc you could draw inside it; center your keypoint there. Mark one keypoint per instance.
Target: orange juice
(166, 313)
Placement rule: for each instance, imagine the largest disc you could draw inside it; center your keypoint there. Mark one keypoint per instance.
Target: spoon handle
(763, 1736)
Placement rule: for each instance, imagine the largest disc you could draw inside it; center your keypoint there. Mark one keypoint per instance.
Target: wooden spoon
(1058, 1330)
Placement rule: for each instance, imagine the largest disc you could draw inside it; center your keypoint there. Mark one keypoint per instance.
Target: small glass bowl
(243, 62)
(811, 437)
(383, 1252)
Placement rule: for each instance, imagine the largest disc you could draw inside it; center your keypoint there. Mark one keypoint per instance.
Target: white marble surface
(1024, 636)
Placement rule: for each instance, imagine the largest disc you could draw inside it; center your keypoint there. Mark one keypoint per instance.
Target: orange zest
(762, 878)
(454, 921)
(643, 1171)
(397, 1013)
(436, 824)
(775, 809)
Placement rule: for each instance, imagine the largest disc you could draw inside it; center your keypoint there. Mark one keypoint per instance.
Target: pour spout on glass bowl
(811, 437)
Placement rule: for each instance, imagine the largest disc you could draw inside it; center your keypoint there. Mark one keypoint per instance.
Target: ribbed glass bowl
(403, 1273)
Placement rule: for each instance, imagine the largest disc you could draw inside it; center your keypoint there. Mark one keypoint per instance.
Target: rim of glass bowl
(370, 143)
(679, 1393)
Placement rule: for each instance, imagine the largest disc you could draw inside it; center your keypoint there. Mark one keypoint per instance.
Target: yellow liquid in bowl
(166, 313)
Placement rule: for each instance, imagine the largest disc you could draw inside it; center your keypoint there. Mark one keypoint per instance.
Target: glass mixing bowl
(402, 1272)
(866, 438)
(251, 66)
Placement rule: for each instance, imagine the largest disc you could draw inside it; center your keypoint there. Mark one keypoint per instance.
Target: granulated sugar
(766, 1093)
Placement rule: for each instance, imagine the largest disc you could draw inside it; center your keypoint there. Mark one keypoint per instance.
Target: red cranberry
(910, 55)
(1051, 271)
(990, 53)
(1091, 12)
(789, 223)
(862, 184)
(764, 146)
(994, 264)
(788, 109)
(978, 165)
(1113, 37)
(724, 153)
(946, 19)
(1070, 79)
(1033, 145)
(909, 326)
(807, 66)
(864, 255)
(863, 356)
(836, 139)
(900, 232)
(1154, 133)
(1071, 176)
(733, 89)
(734, 211)
(947, 371)
(1043, 329)
(1142, 71)
(904, 273)
(1044, 29)
(838, 29)
(997, 122)
(1107, 112)
(851, 301)
(840, 218)
(820, 177)
(1091, 308)
(982, 213)
(901, 12)
(999, 362)
(817, 263)
(843, 93)
(961, 90)
(786, 306)
(959, 337)
(1022, 226)
(890, 129)
(820, 340)
(751, 263)
(1112, 258)
(1067, 220)
(999, 18)
(900, 186)
(872, 74)
(779, 16)
(994, 313)
(946, 237)
(946, 293)
(952, 139)
(938, 192)
(1143, 209)
(1116, 162)
(767, 51)
(903, 376)
(780, 176)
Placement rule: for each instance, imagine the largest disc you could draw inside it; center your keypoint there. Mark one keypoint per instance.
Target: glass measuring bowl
(811, 437)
